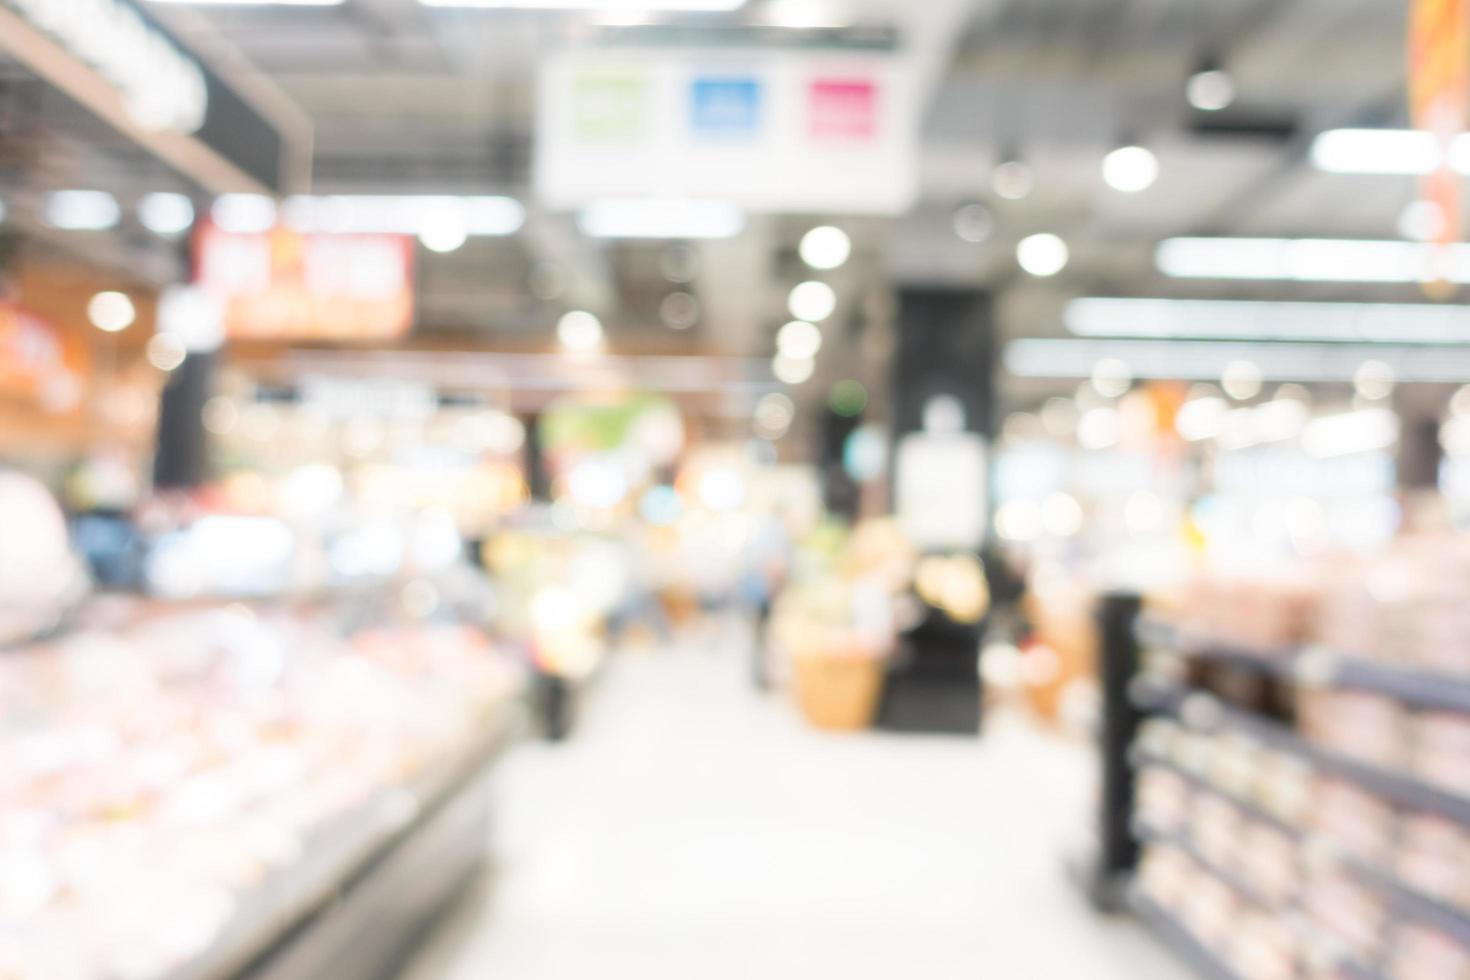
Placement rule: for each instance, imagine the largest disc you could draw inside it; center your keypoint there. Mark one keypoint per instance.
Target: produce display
(168, 768)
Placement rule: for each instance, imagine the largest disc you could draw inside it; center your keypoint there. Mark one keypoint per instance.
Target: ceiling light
(166, 214)
(651, 218)
(669, 6)
(166, 351)
(1111, 377)
(580, 332)
(1197, 319)
(1130, 169)
(1351, 433)
(813, 301)
(1375, 380)
(244, 214)
(1210, 89)
(803, 15)
(430, 215)
(825, 247)
(443, 232)
(679, 310)
(82, 210)
(1410, 152)
(1312, 260)
(973, 223)
(799, 339)
(1013, 180)
(1042, 255)
(1241, 379)
(793, 370)
(111, 311)
(253, 3)
(1038, 357)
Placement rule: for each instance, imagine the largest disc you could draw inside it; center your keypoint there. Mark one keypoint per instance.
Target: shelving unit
(1189, 950)
(1159, 690)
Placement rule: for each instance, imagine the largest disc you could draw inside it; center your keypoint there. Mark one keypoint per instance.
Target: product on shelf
(163, 775)
(1424, 954)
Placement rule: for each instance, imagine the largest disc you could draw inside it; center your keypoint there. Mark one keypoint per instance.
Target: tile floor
(693, 829)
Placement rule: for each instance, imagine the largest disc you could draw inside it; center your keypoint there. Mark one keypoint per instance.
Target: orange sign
(35, 360)
(1439, 102)
(282, 285)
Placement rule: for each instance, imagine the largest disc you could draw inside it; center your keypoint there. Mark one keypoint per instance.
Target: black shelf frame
(1315, 666)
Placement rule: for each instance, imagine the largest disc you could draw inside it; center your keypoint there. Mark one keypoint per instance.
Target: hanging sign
(285, 286)
(36, 362)
(1439, 103)
(768, 130)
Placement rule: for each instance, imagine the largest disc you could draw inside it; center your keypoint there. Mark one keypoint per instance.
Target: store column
(942, 406)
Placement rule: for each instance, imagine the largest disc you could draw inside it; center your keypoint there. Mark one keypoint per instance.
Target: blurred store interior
(546, 489)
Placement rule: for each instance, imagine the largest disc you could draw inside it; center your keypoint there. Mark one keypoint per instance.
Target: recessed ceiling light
(1130, 169)
(1043, 255)
(813, 301)
(825, 247)
(82, 210)
(1210, 89)
(166, 214)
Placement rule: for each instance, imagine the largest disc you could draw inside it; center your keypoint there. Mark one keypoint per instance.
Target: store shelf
(341, 855)
(1155, 835)
(1250, 809)
(1200, 710)
(1318, 667)
(1180, 940)
(1409, 905)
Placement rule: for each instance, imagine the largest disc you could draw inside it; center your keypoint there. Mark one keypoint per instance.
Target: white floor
(695, 830)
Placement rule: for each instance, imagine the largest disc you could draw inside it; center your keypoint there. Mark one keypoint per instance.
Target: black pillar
(182, 459)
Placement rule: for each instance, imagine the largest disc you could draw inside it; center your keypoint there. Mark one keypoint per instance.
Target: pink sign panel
(844, 109)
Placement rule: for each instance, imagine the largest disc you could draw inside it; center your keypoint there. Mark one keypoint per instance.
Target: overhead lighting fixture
(1130, 169)
(825, 247)
(1408, 152)
(1042, 255)
(1210, 88)
(1312, 260)
(251, 3)
(799, 339)
(793, 370)
(82, 210)
(812, 301)
(1199, 319)
(596, 6)
(1366, 431)
(243, 214)
(1064, 358)
(1013, 179)
(437, 218)
(111, 311)
(579, 332)
(166, 213)
(973, 223)
(661, 219)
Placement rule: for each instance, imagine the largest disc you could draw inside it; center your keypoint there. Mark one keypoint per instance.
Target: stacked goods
(159, 778)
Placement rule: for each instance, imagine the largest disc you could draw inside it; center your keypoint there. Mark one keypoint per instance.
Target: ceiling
(405, 99)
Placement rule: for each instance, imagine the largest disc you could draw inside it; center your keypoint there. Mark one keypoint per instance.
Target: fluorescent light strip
(485, 216)
(661, 219)
(1194, 319)
(642, 6)
(76, 210)
(252, 3)
(1311, 260)
(1407, 152)
(1072, 358)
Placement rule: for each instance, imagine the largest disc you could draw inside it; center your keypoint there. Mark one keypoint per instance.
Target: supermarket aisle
(695, 830)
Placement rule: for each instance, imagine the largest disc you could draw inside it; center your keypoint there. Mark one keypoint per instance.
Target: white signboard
(940, 490)
(785, 131)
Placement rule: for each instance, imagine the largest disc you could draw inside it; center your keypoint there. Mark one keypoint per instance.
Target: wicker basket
(838, 693)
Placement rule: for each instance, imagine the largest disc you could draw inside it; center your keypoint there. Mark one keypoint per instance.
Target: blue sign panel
(725, 107)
